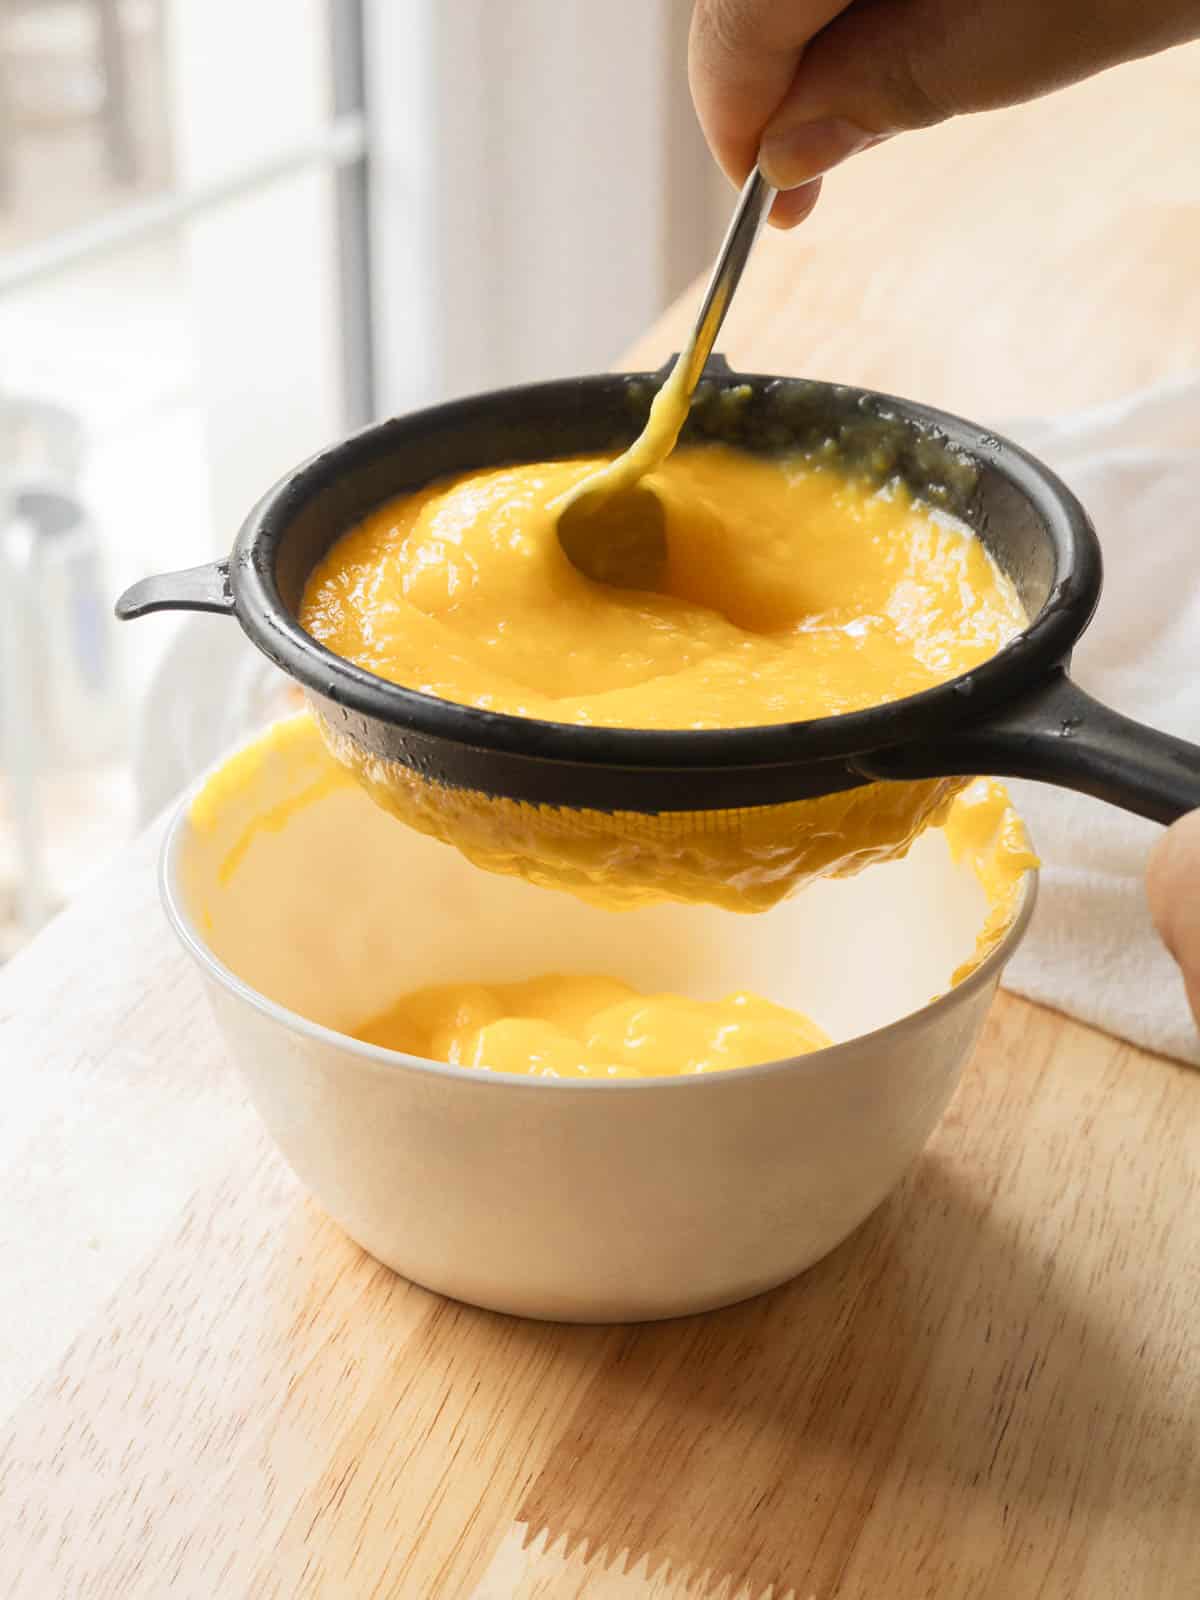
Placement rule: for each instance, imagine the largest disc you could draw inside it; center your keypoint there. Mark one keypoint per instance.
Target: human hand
(1173, 885)
(803, 84)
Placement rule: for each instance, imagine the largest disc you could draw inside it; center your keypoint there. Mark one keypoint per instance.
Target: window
(195, 294)
(182, 317)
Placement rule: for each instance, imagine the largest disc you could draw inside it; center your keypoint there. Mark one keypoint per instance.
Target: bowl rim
(189, 935)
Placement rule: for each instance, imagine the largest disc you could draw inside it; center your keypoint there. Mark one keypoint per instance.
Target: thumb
(1173, 889)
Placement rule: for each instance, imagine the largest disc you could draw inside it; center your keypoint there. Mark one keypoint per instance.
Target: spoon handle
(753, 204)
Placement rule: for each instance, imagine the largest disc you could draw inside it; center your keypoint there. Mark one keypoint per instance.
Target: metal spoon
(611, 526)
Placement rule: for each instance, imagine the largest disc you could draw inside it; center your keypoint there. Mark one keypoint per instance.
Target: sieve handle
(195, 589)
(1057, 734)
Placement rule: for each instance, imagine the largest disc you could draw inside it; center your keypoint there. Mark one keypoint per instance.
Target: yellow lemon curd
(580, 1027)
(792, 590)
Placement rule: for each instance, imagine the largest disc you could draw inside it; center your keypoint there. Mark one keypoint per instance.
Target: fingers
(742, 58)
(765, 72)
(866, 76)
(1173, 887)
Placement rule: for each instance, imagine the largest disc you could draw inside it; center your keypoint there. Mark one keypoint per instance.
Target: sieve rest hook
(1056, 733)
(716, 368)
(204, 588)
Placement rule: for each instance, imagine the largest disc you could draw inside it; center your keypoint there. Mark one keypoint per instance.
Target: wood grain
(990, 1391)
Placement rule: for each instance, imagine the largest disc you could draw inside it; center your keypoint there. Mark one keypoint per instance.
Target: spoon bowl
(619, 540)
(611, 525)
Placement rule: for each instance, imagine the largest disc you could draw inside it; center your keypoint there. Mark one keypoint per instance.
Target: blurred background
(231, 232)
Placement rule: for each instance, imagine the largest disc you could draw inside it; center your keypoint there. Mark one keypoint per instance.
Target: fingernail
(793, 155)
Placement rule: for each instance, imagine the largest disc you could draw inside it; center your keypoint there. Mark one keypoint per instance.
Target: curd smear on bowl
(569, 1024)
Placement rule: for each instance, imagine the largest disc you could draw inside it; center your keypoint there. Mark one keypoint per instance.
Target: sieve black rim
(1036, 651)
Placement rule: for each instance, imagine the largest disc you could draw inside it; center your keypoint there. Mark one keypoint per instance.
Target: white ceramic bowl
(581, 1201)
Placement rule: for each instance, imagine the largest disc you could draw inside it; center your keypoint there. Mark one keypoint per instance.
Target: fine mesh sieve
(736, 815)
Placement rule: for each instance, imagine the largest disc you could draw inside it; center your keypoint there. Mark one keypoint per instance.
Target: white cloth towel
(1092, 951)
